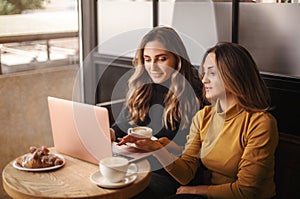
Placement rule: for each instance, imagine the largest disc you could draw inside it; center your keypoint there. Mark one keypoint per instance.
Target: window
(39, 38)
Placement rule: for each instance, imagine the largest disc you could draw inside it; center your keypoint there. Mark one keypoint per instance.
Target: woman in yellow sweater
(235, 137)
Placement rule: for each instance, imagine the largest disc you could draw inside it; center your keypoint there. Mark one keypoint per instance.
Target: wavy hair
(240, 76)
(180, 102)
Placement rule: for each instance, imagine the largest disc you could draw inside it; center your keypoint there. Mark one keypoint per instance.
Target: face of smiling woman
(159, 63)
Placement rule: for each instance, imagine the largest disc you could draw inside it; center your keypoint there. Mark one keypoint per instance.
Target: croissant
(39, 158)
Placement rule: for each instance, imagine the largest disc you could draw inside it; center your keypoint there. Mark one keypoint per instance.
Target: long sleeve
(255, 169)
(183, 169)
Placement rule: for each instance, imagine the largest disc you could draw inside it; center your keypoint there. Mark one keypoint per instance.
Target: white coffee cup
(140, 131)
(116, 169)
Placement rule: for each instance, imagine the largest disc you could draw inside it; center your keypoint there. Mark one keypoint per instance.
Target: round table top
(70, 181)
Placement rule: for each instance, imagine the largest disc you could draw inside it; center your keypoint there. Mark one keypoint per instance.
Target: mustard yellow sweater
(242, 159)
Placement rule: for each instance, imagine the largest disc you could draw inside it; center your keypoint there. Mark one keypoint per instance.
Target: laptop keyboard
(120, 155)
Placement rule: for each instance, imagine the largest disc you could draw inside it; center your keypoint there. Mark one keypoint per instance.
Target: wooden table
(70, 181)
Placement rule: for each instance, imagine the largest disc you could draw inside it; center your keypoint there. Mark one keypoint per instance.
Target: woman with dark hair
(235, 137)
(164, 94)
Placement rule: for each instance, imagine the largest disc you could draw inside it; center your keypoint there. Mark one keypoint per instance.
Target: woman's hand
(164, 141)
(198, 190)
(128, 138)
(145, 144)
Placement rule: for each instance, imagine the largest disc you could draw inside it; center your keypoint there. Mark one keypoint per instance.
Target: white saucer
(99, 180)
(133, 144)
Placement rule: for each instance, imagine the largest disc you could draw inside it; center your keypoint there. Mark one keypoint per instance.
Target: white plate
(101, 181)
(15, 165)
(133, 144)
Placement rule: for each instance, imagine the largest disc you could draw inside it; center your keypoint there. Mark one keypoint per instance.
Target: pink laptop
(82, 131)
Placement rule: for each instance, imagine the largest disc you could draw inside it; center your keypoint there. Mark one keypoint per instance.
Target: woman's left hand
(199, 190)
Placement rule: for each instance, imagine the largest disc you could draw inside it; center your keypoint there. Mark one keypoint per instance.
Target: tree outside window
(9, 7)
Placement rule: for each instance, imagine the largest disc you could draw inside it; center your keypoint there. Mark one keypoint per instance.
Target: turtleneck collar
(229, 113)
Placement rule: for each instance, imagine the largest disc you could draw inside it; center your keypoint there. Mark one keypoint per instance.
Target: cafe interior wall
(24, 116)
(270, 31)
(272, 38)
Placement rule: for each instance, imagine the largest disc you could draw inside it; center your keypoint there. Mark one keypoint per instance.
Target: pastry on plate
(39, 158)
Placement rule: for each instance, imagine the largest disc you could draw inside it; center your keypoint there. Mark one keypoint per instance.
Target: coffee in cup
(115, 169)
(140, 131)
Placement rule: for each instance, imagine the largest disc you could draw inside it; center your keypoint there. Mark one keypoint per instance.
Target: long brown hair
(180, 101)
(241, 76)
